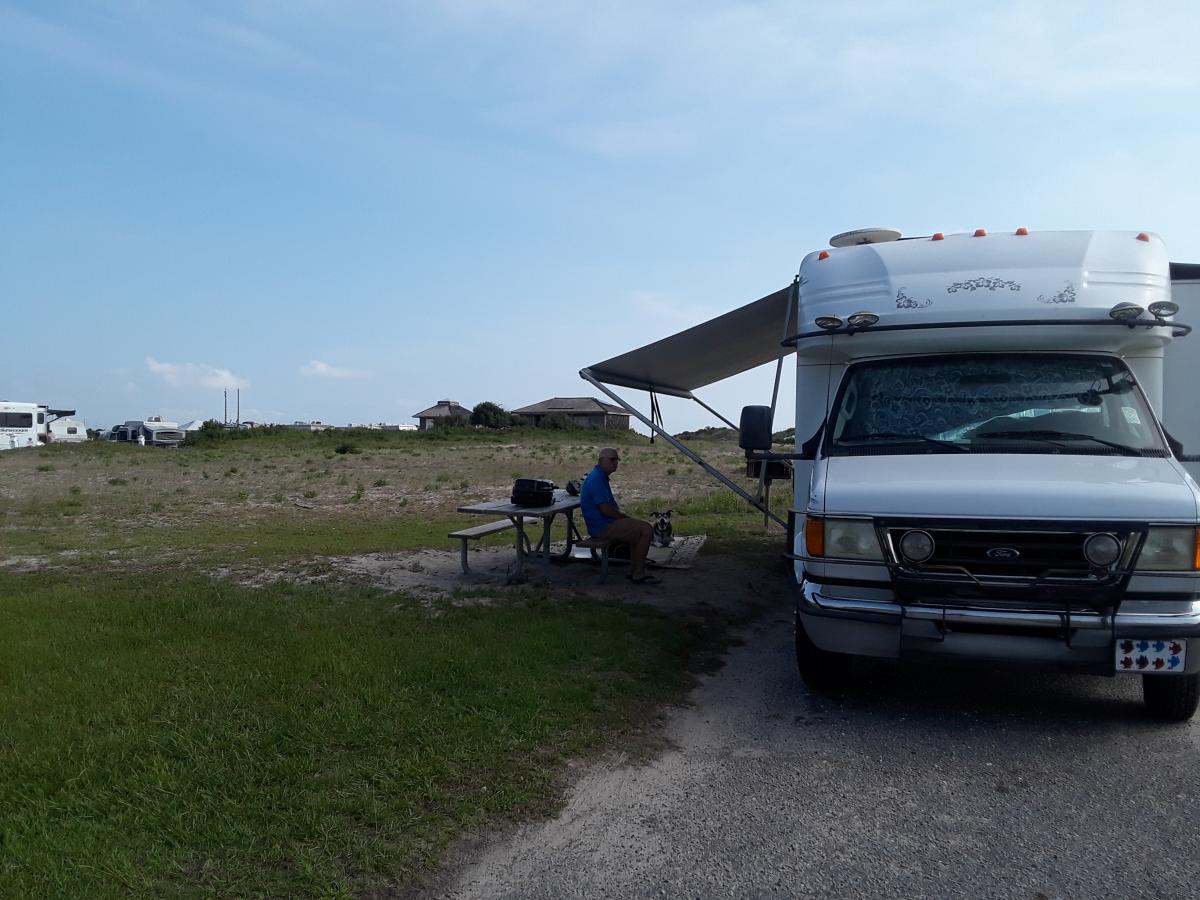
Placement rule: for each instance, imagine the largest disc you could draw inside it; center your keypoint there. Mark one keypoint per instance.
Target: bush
(492, 415)
(212, 432)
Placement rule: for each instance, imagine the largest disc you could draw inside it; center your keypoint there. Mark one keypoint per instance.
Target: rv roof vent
(864, 236)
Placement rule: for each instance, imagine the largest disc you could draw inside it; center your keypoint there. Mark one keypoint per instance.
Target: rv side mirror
(755, 430)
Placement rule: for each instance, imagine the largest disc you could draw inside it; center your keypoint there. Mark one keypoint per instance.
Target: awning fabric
(735, 342)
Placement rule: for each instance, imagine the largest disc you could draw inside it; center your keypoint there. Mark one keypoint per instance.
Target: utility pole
(239, 407)
(226, 393)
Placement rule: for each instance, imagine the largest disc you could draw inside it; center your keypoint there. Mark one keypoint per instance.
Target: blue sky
(350, 210)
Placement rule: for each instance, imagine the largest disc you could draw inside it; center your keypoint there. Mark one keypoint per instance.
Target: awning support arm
(793, 303)
(655, 413)
(586, 374)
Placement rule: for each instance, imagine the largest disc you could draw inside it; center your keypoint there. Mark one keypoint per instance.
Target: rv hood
(1006, 486)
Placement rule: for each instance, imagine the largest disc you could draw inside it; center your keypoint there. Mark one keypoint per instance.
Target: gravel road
(921, 782)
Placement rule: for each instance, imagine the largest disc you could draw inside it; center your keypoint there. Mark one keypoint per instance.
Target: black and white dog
(663, 532)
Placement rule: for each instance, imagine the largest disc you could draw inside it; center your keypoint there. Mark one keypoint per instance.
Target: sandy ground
(714, 582)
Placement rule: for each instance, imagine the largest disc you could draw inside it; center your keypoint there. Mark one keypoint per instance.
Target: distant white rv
(20, 424)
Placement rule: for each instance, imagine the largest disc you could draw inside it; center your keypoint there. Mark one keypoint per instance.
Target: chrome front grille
(1006, 556)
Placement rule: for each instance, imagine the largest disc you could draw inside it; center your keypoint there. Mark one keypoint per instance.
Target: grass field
(165, 730)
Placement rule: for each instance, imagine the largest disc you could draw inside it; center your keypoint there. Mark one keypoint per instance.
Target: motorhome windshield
(990, 403)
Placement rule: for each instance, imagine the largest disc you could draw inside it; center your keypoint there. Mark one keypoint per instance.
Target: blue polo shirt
(596, 490)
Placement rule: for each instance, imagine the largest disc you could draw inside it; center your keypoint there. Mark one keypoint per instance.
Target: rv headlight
(1170, 549)
(828, 322)
(1161, 308)
(847, 539)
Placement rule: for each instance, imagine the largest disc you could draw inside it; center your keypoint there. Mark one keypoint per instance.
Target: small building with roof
(443, 409)
(585, 412)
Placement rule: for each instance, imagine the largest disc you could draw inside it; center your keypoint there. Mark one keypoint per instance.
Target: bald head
(608, 459)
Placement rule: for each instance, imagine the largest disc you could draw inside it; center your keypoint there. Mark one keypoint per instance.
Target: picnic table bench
(480, 531)
(562, 504)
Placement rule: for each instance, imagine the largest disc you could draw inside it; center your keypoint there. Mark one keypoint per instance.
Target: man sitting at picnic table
(604, 518)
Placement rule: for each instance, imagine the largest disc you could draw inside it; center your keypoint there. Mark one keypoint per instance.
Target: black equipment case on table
(532, 492)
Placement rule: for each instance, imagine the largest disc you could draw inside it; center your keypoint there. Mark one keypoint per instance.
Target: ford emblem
(1003, 553)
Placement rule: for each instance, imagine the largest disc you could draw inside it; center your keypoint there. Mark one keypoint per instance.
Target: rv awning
(735, 342)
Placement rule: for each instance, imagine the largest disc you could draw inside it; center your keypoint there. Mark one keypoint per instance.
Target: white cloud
(195, 375)
(318, 369)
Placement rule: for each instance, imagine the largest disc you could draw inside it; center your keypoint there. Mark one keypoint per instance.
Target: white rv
(992, 455)
(20, 424)
(28, 424)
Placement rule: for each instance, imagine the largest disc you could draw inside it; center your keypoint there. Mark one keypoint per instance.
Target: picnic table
(563, 504)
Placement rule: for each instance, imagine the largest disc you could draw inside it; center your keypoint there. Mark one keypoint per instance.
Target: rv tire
(1172, 698)
(821, 670)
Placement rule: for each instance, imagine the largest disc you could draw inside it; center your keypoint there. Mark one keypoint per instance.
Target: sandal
(645, 579)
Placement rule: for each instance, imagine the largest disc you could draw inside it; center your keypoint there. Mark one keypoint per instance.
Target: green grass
(270, 540)
(162, 733)
(191, 737)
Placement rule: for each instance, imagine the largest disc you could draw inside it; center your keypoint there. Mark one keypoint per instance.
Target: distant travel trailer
(67, 431)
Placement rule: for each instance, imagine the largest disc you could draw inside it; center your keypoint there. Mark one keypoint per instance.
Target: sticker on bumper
(1165, 656)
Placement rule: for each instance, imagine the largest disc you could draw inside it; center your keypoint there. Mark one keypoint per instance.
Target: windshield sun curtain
(993, 403)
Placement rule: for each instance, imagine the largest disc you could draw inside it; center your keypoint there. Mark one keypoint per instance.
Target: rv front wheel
(821, 670)
(1172, 698)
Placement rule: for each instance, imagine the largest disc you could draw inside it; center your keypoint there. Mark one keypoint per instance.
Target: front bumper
(1082, 641)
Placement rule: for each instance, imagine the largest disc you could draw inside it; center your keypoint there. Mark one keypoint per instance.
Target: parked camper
(153, 431)
(989, 478)
(20, 424)
(992, 457)
(28, 424)
(67, 431)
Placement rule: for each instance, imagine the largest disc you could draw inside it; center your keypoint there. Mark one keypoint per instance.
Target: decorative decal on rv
(1066, 295)
(903, 301)
(985, 284)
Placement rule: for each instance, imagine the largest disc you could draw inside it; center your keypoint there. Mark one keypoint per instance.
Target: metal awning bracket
(656, 428)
